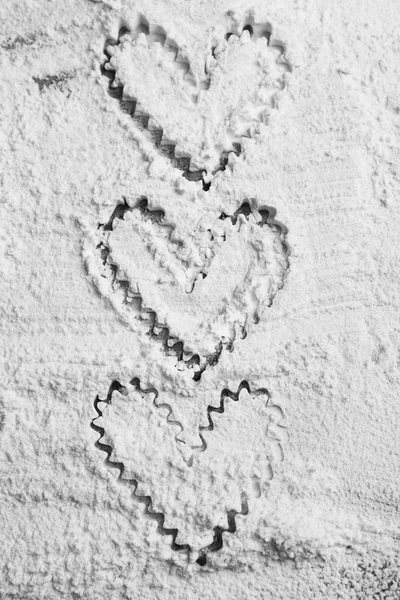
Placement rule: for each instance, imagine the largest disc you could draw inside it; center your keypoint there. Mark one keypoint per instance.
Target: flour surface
(199, 267)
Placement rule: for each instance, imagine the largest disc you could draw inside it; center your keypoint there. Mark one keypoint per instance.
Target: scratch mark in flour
(52, 80)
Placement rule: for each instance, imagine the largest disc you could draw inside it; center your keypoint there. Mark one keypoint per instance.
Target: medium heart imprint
(205, 293)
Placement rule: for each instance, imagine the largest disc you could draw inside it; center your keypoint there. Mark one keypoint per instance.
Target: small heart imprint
(197, 459)
(196, 119)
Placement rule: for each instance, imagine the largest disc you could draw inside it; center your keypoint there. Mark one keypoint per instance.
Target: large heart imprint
(195, 498)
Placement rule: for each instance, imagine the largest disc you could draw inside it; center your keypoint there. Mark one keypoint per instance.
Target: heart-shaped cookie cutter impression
(151, 466)
(123, 267)
(121, 53)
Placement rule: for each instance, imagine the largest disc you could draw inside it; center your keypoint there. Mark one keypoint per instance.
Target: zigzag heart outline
(143, 120)
(133, 301)
(159, 517)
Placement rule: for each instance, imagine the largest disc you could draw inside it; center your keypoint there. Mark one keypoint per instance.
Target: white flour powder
(200, 300)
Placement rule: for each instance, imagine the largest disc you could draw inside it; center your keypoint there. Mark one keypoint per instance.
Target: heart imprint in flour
(199, 496)
(205, 292)
(203, 108)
